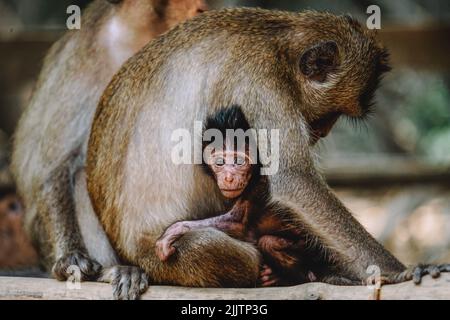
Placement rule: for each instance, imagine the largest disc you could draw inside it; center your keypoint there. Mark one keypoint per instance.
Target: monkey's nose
(229, 178)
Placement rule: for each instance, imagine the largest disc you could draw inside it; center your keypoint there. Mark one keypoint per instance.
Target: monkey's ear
(318, 61)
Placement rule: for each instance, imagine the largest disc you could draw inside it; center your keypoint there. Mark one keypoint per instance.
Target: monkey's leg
(339, 234)
(230, 223)
(203, 258)
(56, 204)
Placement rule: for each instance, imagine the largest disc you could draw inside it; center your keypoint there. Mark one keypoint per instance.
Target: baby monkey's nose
(229, 178)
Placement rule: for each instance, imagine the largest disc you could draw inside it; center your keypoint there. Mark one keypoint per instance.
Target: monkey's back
(246, 57)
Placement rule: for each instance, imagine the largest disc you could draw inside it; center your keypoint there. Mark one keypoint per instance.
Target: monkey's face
(11, 212)
(339, 71)
(232, 171)
(321, 127)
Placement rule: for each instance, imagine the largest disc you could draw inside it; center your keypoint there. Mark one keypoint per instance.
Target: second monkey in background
(50, 142)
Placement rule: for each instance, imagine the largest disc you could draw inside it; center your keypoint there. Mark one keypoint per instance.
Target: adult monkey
(296, 72)
(50, 141)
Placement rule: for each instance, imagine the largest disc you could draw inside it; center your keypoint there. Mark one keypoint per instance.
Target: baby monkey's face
(232, 171)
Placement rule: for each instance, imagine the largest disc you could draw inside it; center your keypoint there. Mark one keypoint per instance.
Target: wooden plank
(49, 289)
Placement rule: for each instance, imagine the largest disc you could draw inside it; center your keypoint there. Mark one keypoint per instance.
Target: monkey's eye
(240, 161)
(219, 162)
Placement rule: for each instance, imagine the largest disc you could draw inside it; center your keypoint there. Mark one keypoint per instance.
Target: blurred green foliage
(427, 109)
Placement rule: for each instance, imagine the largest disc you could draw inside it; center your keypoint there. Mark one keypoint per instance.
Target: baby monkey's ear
(320, 60)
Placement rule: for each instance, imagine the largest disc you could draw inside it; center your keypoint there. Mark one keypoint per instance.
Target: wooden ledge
(49, 289)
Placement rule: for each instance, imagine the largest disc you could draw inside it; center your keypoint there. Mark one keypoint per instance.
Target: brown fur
(51, 138)
(245, 57)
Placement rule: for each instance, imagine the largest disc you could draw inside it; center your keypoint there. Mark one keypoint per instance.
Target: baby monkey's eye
(219, 162)
(240, 161)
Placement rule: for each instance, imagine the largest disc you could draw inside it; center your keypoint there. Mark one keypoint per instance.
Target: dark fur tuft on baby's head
(227, 118)
(231, 118)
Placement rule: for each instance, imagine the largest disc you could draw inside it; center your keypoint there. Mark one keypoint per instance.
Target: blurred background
(392, 171)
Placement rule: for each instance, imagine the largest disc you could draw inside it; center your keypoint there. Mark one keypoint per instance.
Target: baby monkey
(250, 217)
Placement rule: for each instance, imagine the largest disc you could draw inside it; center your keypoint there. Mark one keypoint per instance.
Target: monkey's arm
(57, 208)
(387, 276)
(232, 223)
(344, 240)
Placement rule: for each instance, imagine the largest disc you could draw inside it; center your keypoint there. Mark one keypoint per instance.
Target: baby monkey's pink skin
(230, 223)
(232, 172)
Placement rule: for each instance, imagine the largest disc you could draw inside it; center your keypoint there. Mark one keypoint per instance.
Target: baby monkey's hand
(164, 246)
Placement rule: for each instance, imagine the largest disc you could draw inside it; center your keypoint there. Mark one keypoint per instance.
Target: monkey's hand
(415, 273)
(277, 249)
(128, 282)
(69, 265)
(164, 246)
(267, 278)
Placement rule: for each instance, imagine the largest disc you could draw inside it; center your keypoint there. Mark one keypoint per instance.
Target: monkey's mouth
(321, 127)
(231, 193)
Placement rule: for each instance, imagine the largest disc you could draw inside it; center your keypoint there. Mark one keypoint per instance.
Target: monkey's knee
(210, 258)
(219, 260)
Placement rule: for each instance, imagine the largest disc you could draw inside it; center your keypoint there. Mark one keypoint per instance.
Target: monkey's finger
(266, 272)
(97, 268)
(265, 279)
(135, 283)
(59, 272)
(125, 285)
(404, 276)
(164, 250)
(165, 253)
(117, 288)
(269, 283)
(111, 275)
(434, 271)
(90, 268)
(169, 251)
(143, 286)
(417, 274)
(444, 267)
(159, 250)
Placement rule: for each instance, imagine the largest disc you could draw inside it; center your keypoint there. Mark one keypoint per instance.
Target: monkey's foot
(416, 273)
(164, 246)
(267, 278)
(128, 282)
(76, 263)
